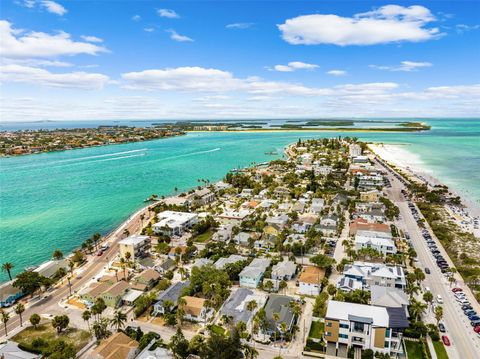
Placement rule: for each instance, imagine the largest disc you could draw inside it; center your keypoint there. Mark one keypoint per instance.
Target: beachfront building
(172, 223)
(136, 245)
(363, 326)
(379, 241)
(203, 196)
(252, 274)
(354, 150)
(50, 268)
(310, 280)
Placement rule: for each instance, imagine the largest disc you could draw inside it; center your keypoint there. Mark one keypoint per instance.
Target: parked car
(475, 323)
(427, 270)
(441, 327)
(445, 340)
(477, 329)
(439, 299)
(466, 307)
(455, 290)
(474, 317)
(99, 253)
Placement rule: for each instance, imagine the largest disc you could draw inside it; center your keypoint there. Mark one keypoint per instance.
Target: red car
(477, 329)
(99, 253)
(445, 340)
(455, 290)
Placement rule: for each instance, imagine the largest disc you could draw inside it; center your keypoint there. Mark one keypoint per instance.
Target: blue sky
(77, 60)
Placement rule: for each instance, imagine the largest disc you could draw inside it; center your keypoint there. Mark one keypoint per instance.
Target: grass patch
(440, 350)
(217, 329)
(204, 237)
(414, 349)
(316, 330)
(77, 337)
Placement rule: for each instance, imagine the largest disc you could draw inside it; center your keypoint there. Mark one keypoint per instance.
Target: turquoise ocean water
(57, 200)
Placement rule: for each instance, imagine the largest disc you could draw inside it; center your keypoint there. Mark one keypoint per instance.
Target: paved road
(88, 271)
(465, 344)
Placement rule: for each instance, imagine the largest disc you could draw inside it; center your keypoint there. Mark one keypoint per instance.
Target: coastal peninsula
(14, 143)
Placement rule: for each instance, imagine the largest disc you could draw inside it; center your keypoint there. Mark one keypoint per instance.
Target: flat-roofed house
(9, 294)
(136, 245)
(364, 326)
(172, 223)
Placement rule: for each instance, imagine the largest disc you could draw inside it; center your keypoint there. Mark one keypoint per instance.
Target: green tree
(416, 308)
(100, 328)
(322, 261)
(4, 317)
(118, 320)
(7, 267)
(179, 345)
(28, 282)
(35, 320)
(19, 309)
(60, 322)
(57, 254)
(428, 297)
(438, 313)
(86, 316)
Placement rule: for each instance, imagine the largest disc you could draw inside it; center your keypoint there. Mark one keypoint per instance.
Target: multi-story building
(172, 223)
(382, 242)
(136, 245)
(370, 274)
(365, 326)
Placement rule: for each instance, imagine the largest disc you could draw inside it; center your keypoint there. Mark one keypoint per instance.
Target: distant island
(15, 143)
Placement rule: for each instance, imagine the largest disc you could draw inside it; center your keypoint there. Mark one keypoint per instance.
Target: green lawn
(204, 237)
(217, 329)
(440, 350)
(316, 330)
(414, 349)
(79, 338)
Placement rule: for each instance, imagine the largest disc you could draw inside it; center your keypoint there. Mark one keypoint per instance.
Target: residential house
(278, 222)
(117, 346)
(172, 254)
(364, 326)
(370, 274)
(322, 170)
(361, 224)
(195, 309)
(233, 258)
(172, 294)
(310, 280)
(285, 270)
(304, 223)
(246, 193)
(379, 241)
(370, 196)
(242, 239)
(50, 268)
(224, 233)
(136, 245)
(278, 304)
(9, 294)
(146, 280)
(131, 296)
(201, 262)
(347, 284)
(236, 305)
(172, 223)
(113, 294)
(235, 216)
(318, 204)
(166, 265)
(203, 196)
(354, 150)
(252, 274)
(389, 298)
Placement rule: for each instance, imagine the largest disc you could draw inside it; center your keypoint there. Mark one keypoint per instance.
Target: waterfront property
(172, 223)
(9, 294)
(136, 245)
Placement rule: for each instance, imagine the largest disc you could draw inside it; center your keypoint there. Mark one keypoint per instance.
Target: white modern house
(174, 223)
(380, 241)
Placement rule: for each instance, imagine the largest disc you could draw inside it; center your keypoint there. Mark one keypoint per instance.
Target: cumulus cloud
(239, 25)
(91, 38)
(295, 65)
(148, 29)
(461, 28)
(136, 18)
(337, 72)
(390, 23)
(405, 66)
(168, 13)
(177, 37)
(38, 76)
(17, 43)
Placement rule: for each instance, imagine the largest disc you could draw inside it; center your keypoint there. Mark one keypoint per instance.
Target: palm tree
(119, 319)
(276, 318)
(71, 265)
(438, 313)
(417, 308)
(19, 309)
(116, 273)
(57, 254)
(123, 264)
(128, 256)
(412, 289)
(86, 315)
(182, 271)
(126, 232)
(7, 267)
(250, 352)
(5, 317)
(251, 305)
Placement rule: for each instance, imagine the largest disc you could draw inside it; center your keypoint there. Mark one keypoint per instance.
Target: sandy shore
(400, 156)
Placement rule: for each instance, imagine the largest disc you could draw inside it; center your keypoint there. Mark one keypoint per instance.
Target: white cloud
(461, 28)
(295, 65)
(390, 23)
(171, 14)
(405, 66)
(149, 29)
(239, 25)
(136, 18)
(19, 44)
(91, 38)
(53, 7)
(177, 37)
(37, 76)
(337, 72)
(36, 62)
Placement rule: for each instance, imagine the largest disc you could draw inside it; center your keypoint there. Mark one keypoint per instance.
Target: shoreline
(329, 129)
(398, 155)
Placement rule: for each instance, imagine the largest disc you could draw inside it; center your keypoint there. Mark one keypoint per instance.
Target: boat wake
(190, 154)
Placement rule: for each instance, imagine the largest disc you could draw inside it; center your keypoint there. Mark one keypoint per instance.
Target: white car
(439, 299)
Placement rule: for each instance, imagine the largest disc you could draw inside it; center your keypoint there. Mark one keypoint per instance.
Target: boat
(271, 153)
